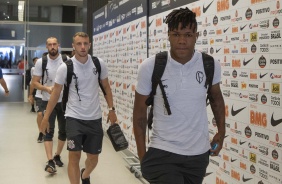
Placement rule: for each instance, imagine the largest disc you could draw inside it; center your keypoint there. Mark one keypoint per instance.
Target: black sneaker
(57, 160)
(50, 167)
(86, 180)
(40, 138)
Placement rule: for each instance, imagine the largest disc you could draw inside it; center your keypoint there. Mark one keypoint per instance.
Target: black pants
(162, 167)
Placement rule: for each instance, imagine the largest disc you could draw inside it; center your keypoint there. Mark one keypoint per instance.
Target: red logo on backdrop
(277, 138)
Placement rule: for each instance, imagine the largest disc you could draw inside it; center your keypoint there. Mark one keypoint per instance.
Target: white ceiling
(78, 3)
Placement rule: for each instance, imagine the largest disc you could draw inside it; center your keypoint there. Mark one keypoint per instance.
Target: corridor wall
(245, 37)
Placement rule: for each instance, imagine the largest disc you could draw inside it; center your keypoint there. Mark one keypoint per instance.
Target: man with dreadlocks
(179, 146)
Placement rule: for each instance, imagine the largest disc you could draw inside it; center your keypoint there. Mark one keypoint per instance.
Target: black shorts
(86, 135)
(38, 107)
(162, 167)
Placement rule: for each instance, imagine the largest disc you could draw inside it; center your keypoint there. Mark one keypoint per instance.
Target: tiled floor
(22, 159)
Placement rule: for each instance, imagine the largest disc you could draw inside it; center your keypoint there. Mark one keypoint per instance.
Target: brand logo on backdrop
(215, 20)
(253, 48)
(262, 75)
(248, 14)
(242, 27)
(245, 179)
(234, 2)
(275, 122)
(262, 62)
(254, 36)
(253, 169)
(205, 9)
(222, 5)
(224, 30)
(246, 62)
(275, 23)
(275, 88)
(258, 118)
(274, 154)
(235, 112)
(248, 132)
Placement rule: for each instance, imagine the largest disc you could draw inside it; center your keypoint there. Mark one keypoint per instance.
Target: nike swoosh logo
(275, 122)
(234, 2)
(137, 25)
(242, 142)
(224, 30)
(151, 22)
(242, 27)
(261, 76)
(246, 62)
(235, 112)
(206, 8)
(208, 174)
(217, 50)
(246, 179)
(233, 160)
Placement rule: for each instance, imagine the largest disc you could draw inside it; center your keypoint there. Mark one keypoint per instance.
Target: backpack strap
(208, 63)
(64, 57)
(44, 65)
(160, 64)
(98, 66)
(70, 73)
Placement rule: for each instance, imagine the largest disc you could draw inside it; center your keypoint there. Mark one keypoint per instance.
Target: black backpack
(27, 77)
(44, 64)
(160, 64)
(70, 73)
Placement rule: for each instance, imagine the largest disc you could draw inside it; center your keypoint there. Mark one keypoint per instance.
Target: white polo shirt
(83, 104)
(49, 75)
(185, 131)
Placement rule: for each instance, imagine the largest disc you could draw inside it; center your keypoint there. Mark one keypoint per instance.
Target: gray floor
(23, 159)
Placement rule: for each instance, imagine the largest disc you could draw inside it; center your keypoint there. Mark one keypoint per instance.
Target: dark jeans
(162, 167)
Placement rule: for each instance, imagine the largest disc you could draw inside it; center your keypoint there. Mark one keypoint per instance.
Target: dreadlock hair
(184, 16)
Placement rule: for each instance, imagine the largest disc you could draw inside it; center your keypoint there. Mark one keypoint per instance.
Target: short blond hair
(80, 34)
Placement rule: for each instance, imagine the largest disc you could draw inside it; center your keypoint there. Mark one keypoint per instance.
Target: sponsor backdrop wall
(245, 37)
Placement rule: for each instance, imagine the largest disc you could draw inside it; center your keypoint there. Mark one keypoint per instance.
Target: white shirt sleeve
(104, 69)
(61, 74)
(38, 68)
(145, 71)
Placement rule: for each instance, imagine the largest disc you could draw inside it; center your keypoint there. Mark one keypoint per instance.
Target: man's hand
(112, 117)
(49, 89)
(31, 99)
(44, 126)
(217, 139)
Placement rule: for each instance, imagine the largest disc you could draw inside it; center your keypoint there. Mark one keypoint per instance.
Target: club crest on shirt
(199, 76)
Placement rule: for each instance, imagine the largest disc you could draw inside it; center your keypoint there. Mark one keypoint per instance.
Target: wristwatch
(111, 109)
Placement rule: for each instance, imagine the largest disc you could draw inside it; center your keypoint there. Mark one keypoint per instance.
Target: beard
(53, 52)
